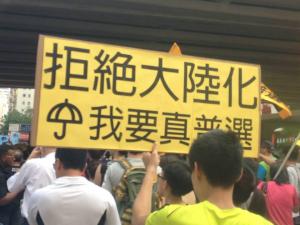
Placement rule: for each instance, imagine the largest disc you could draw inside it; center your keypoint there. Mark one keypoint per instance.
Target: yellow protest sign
(99, 96)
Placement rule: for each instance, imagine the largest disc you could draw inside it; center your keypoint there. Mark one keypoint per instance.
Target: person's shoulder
(30, 166)
(39, 165)
(291, 169)
(262, 165)
(177, 214)
(256, 219)
(32, 162)
(48, 188)
(46, 196)
(161, 216)
(41, 193)
(115, 165)
(169, 209)
(235, 216)
(101, 195)
(249, 218)
(98, 191)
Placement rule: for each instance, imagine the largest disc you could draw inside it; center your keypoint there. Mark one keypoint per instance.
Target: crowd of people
(212, 185)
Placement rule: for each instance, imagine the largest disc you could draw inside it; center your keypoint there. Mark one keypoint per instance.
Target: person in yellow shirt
(216, 162)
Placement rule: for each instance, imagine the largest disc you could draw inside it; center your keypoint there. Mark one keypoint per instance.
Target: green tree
(15, 117)
(28, 113)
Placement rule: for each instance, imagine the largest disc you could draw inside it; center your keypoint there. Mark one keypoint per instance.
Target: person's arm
(8, 198)
(36, 153)
(261, 173)
(107, 182)
(18, 181)
(5, 196)
(267, 159)
(98, 178)
(142, 204)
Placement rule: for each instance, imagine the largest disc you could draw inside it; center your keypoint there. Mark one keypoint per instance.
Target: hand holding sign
(152, 159)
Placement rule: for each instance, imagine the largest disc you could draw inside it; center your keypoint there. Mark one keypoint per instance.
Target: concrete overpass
(265, 32)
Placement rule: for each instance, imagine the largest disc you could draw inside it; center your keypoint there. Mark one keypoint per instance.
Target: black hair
(3, 150)
(18, 155)
(246, 185)
(252, 164)
(72, 158)
(168, 158)
(267, 145)
(283, 177)
(91, 169)
(178, 176)
(219, 155)
(258, 204)
(96, 154)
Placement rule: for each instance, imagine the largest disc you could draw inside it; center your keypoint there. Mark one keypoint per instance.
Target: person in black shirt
(9, 202)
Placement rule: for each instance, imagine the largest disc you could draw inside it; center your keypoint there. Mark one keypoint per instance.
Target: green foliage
(16, 117)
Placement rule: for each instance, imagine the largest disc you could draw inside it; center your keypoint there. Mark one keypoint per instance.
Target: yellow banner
(99, 96)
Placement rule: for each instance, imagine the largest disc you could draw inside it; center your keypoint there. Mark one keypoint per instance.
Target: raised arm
(142, 204)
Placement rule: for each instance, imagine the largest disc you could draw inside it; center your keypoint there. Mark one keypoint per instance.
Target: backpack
(127, 190)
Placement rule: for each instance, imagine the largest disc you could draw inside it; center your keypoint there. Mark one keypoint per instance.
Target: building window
(24, 95)
(23, 103)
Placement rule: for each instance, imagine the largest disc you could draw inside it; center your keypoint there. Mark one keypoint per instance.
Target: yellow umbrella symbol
(65, 113)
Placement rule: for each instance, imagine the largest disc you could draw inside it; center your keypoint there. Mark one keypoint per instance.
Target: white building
(21, 99)
(4, 102)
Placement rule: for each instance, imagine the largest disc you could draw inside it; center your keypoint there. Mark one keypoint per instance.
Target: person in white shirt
(72, 199)
(293, 169)
(34, 174)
